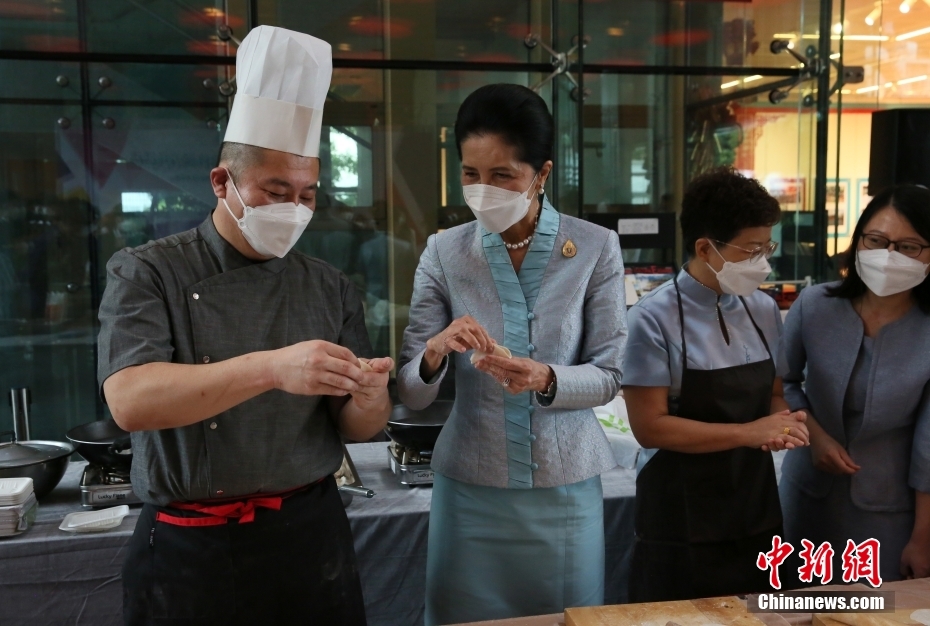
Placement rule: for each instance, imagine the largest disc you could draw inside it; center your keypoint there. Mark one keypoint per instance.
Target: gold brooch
(569, 250)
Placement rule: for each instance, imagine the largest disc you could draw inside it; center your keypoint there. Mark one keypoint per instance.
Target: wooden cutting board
(901, 617)
(725, 611)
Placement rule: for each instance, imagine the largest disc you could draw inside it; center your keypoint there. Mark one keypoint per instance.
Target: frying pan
(418, 429)
(103, 443)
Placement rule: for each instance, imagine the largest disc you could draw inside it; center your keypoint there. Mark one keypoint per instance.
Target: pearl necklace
(525, 242)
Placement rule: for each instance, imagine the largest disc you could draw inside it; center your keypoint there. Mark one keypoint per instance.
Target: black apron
(295, 565)
(702, 519)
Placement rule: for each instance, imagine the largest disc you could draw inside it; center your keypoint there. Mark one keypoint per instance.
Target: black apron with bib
(702, 519)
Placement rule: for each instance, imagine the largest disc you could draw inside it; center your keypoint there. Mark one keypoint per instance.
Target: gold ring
(787, 430)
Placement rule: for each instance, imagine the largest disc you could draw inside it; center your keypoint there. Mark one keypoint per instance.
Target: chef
(237, 365)
(705, 399)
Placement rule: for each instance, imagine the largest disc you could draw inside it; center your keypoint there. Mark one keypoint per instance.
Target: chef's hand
(915, 559)
(830, 456)
(768, 433)
(462, 335)
(373, 385)
(317, 368)
(517, 375)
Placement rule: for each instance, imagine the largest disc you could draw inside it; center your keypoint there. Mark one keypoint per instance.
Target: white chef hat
(282, 78)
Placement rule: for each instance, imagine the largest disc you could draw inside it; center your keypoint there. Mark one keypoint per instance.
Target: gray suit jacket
(579, 329)
(822, 339)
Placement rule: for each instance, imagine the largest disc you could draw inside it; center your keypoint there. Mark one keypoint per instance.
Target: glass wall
(889, 40)
(112, 114)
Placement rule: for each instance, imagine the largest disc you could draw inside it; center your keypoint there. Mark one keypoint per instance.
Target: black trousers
(293, 566)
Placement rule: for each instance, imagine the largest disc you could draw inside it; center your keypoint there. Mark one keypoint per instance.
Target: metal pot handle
(358, 491)
(120, 444)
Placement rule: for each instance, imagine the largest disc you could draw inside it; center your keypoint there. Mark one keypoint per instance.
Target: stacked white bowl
(18, 505)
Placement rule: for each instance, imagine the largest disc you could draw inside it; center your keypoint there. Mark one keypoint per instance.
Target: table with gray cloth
(48, 576)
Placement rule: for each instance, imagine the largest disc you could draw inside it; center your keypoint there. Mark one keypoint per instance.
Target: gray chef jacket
(193, 298)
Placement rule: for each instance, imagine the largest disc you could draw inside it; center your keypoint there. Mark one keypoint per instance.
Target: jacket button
(530, 348)
(531, 409)
(219, 492)
(196, 296)
(212, 425)
(534, 466)
(530, 316)
(532, 437)
(206, 359)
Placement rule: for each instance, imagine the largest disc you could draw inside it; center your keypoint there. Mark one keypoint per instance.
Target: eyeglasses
(907, 248)
(754, 255)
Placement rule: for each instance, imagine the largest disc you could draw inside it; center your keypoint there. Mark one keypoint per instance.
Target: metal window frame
(84, 58)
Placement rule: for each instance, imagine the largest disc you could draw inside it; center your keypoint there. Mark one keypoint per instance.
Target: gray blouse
(653, 355)
(858, 389)
(822, 346)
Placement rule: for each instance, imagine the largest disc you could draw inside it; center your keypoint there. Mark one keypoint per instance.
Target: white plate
(14, 491)
(91, 529)
(91, 521)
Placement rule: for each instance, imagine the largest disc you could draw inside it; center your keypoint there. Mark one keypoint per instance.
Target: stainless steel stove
(412, 467)
(102, 487)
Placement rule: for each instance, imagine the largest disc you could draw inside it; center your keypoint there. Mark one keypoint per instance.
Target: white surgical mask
(497, 209)
(271, 229)
(887, 273)
(742, 278)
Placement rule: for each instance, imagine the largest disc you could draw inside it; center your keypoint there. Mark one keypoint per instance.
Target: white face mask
(497, 209)
(742, 278)
(887, 273)
(271, 229)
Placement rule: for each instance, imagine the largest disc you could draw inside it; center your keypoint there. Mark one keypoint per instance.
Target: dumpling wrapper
(499, 350)
(365, 367)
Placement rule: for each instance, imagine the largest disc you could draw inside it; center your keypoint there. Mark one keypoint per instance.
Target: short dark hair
(514, 113)
(912, 202)
(239, 157)
(721, 203)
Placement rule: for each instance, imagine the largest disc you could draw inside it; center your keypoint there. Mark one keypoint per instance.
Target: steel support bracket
(560, 64)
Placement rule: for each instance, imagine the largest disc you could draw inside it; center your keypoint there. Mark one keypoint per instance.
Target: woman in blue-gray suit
(516, 524)
(861, 349)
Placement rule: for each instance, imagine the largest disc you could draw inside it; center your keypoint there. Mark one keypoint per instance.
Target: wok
(103, 443)
(418, 429)
(44, 462)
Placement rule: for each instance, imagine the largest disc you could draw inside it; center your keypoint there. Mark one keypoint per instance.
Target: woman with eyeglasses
(705, 400)
(858, 353)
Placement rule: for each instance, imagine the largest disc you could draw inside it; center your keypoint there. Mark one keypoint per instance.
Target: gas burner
(114, 477)
(102, 486)
(411, 456)
(411, 466)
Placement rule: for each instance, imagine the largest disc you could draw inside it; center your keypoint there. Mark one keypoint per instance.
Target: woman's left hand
(517, 374)
(915, 559)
